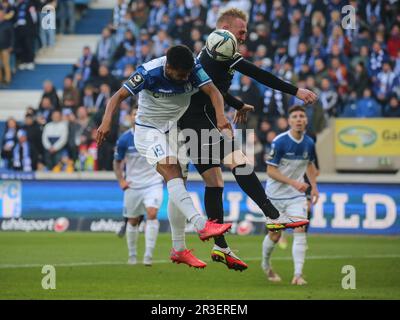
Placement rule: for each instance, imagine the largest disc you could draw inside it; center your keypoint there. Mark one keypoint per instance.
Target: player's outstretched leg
(180, 197)
(268, 246)
(179, 252)
(214, 208)
(132, 235)
(249, 182)
(251, 185)
(299, 254)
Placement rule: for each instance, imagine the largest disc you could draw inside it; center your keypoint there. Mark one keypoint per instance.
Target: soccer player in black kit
(201, 115)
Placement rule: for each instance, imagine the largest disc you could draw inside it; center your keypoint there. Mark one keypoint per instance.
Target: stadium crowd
(22, 33)
(355, 72)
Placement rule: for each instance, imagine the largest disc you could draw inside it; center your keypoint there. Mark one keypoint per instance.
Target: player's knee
(169, 171)
(213, 179)
(133, 221)
(301, 229)
(151, 214)
(275, 236)
(235, 159)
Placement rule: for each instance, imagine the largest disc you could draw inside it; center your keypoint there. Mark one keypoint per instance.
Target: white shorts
(137, 200)
(296, 207)
(155, 146)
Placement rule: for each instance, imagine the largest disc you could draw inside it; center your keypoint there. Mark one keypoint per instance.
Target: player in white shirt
(165, 86)
(143, 194)
(292, 155)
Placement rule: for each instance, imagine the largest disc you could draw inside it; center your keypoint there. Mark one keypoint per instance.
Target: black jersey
(221, 73)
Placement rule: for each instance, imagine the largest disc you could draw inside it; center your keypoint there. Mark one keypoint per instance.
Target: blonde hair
(229, 14)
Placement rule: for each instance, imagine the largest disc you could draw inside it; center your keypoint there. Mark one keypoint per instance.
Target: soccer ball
(221, 45)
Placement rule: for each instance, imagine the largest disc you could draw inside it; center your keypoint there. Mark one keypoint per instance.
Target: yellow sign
(367, 137)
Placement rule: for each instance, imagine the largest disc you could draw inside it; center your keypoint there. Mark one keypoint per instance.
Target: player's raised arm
(218, 103)
(268, 79)
(136, 83)
(112, 105)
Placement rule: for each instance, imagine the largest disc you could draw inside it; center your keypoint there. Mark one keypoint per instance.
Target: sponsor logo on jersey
(164, 95)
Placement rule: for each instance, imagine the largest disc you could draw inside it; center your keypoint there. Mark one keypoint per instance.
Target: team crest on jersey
(305, 155)
(136, 80)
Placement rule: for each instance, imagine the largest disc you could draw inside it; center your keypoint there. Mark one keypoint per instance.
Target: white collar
(294, 139)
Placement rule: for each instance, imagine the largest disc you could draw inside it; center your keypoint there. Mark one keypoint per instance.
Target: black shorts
(209, 147)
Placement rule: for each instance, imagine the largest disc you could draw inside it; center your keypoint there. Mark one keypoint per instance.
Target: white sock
(177, 222)
(132, 235)
(267, 248)
(151, 233)
(180, 197)
(299, 252)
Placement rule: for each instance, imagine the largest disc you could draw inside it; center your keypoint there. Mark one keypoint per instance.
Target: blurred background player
(165, 86)
(292, 155)
(200, 115)
(283, 243)
(143, 193)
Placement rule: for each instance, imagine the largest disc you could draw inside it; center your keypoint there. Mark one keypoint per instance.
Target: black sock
(309, 218)
(252, 186)
(215, 211)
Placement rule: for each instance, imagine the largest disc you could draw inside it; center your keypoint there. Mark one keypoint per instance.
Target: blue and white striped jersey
(161, 100)
(292, 157)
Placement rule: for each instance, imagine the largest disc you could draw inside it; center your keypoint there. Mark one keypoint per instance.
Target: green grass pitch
(93, 266)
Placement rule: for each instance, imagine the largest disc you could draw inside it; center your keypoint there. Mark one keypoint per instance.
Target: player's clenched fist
(241, 115)
(300, 186)
(307, 96)
(224, 126)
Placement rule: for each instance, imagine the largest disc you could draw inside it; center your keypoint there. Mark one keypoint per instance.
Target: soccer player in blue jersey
(143, 194)
(164, 86)
(292, 155)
